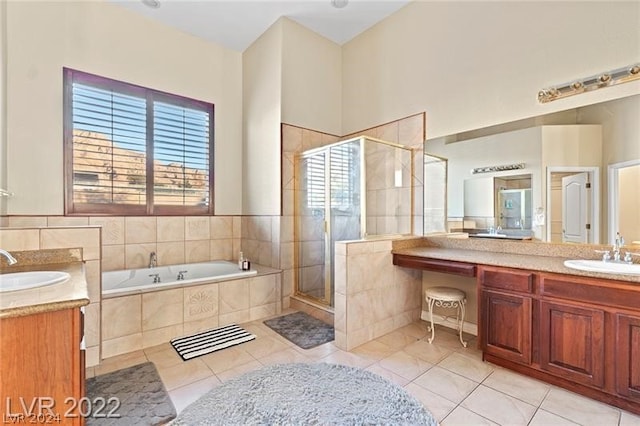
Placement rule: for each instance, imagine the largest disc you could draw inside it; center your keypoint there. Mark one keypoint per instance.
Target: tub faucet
(153, 260)
(10, 259)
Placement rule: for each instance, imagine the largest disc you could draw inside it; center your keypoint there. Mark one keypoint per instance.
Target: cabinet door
(572, 342)
(506, 320)
(627, 361)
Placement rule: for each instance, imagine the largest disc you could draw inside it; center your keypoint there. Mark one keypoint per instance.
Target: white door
(576, 201)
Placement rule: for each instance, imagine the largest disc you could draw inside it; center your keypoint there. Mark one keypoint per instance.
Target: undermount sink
(604, 267)
(31, 279)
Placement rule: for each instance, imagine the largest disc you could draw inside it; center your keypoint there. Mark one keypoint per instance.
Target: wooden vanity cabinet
(572, 342)
(627, 356)
(42, 370)
(580, 333)
(506, 307)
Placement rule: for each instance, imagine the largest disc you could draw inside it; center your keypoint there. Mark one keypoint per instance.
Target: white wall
(522, 146)
(311, 80)
(262, 111)
(106, 39)
(475, 64)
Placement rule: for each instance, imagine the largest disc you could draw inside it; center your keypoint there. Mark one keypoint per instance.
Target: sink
(30, 279)
(486, 234)
(604, 267)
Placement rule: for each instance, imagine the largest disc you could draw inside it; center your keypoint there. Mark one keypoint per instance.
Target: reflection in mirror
(624, 201)
(435, 200)
(585, 139)
(498, 205)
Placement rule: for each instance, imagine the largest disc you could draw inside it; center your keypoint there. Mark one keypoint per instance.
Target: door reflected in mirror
(624, 201)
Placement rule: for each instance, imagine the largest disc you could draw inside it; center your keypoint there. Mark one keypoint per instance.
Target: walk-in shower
(349, 190)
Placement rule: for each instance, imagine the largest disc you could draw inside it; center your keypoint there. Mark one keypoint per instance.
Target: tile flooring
(451, 381)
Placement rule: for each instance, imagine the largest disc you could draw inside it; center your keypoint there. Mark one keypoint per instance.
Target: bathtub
(141, 280)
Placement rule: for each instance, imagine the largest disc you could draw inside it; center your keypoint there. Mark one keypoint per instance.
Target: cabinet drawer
(506, 279)
(590, 290)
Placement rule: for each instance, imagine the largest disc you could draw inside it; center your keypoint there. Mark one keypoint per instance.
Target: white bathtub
(141, 280)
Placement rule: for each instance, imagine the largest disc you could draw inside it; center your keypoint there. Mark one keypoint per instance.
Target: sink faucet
(153, 260)
(619, 242)
(10, 259)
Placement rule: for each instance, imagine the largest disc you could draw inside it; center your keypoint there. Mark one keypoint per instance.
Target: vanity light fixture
(502, 168)
(606, 79)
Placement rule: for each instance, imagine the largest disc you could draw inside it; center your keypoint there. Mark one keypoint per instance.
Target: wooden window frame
(151, 95)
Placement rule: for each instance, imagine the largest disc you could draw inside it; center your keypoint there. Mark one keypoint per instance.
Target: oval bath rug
(304, 394)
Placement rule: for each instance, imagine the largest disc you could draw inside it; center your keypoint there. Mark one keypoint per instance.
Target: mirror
(582, 141)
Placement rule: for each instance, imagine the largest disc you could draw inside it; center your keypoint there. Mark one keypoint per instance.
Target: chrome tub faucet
(10, 259)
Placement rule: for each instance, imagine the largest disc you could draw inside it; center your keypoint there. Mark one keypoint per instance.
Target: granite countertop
(71, 293)
(535, 261)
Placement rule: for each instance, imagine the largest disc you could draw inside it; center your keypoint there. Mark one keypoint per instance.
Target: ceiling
(235, 24)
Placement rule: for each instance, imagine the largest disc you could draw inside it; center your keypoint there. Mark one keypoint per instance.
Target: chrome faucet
(153, 260)
(617, 245)
(10, 259)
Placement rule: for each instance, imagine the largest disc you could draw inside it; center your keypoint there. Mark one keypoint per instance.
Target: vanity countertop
(71, 293)
(535, 261)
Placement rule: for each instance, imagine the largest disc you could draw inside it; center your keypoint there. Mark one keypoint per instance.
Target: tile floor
(451, 381)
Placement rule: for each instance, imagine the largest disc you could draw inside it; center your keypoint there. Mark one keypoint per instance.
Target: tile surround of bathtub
(134, 322)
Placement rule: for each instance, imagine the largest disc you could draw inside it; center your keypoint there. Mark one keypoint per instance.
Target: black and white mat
(208, 341)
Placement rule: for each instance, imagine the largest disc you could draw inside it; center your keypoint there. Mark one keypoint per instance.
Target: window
(130, 150)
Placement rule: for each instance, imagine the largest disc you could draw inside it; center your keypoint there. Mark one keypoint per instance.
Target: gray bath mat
(302, 329)
(131, 396)
(307, 394)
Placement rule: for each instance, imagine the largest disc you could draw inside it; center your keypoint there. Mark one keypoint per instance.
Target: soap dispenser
(241, 261)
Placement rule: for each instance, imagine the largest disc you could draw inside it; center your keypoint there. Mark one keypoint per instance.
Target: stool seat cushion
(445, 293)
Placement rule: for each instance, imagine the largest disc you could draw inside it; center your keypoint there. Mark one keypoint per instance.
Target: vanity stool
(446, 297)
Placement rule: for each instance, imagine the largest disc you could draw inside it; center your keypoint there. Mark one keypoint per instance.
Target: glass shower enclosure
(349, 190)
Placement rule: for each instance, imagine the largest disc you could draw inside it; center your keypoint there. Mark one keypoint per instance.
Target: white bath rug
(212, 340)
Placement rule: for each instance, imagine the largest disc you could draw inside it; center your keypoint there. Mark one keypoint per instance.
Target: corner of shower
(348, 190)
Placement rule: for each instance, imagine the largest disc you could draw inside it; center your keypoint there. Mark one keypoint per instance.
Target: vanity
(42, 374)
(579, 330)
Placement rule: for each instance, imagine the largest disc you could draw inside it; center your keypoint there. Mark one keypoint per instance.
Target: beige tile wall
(409, 131)
(131, 323)
(128, 241)
(372, 296)
(88, 239)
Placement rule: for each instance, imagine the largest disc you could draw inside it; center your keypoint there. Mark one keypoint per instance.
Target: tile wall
(372, 296)
(409, 131)
(88, 239)
(139, 321)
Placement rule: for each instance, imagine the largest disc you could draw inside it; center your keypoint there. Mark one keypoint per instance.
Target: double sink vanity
(574, 328)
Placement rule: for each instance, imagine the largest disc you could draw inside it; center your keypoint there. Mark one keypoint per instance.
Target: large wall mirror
(571, 176)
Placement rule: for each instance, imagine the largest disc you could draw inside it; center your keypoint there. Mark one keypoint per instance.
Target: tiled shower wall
(409, 131)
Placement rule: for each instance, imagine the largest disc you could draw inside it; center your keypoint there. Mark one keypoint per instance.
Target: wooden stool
(447, 297)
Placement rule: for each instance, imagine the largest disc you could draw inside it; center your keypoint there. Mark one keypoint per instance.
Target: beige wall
(311, 80)
(629, 199)
(106, 39)
(474, 64)
(3, 106)
(262, 105)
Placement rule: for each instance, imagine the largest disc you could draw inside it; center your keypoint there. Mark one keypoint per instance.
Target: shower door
(328, 210)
